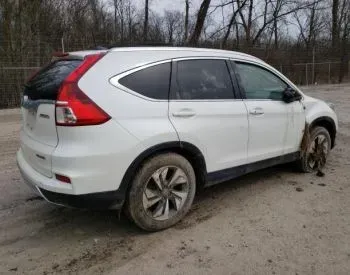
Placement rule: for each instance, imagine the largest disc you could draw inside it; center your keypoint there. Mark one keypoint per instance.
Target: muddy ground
(257, 224)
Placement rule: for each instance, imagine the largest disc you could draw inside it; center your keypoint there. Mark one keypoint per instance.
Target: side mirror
(289, 95)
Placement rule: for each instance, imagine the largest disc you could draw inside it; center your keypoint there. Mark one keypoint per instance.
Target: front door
(268, 114)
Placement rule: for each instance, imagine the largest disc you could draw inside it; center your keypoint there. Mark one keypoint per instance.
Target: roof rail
(142, 44)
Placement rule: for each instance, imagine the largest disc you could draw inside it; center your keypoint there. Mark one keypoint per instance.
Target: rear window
(152, 82)
(47, 81)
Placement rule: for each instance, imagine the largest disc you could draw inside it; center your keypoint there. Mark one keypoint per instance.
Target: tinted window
(152, 82)
(259, 83)
(46, 82)
(203, 79)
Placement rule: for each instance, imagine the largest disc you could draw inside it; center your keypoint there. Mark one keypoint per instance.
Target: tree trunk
(115, 20)
(335, 29)
(121, 14)
(237, 36)
(145, 24)
(227, 34)
(202, 13)
(275, 31)
(186, 20)
(249, 24)
(95, 31)
(232, 21)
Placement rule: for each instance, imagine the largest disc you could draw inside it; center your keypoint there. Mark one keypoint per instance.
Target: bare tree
(240, 6)
(277, 7)
(335, 31)
(187, 9)
(202, 13)
(247, 23)
(344, 33)
(172, 23)
(272, 12)
(145, 24)
(310, 24)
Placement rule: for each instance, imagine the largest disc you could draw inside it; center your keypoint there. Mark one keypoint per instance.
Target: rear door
(38, 134)
(205, 112)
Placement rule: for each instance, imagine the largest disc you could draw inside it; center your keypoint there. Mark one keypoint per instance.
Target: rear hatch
(39, 134)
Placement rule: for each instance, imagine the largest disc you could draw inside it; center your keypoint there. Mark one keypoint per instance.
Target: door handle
(184, 113)
(256, 111)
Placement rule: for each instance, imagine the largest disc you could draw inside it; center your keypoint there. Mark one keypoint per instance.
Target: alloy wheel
(165, 192)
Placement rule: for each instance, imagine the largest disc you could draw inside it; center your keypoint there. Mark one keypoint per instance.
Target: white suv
(145, 128)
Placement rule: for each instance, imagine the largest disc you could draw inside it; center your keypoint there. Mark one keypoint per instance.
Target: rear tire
(305, 162)
(162, 192)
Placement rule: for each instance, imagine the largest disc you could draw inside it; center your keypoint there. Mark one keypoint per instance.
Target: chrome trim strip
(207, 100)
(62, 102)
(114, 80)
(201, 58)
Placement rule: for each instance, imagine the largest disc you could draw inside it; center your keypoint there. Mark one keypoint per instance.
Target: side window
(203, 79)
(152, 82)
(259, 83)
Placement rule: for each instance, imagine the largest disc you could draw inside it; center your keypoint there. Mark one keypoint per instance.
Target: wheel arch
(329, 124)
(185, 149)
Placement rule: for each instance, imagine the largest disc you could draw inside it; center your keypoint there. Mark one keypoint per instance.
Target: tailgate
(39, 135)
(39, 121)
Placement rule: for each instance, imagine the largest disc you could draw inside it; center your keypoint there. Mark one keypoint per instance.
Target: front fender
(316, 110)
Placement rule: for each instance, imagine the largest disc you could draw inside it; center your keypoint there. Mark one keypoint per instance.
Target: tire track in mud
(114, 251)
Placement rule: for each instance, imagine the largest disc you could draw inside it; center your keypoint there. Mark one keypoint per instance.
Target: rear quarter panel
(145, 119)
(95, 158)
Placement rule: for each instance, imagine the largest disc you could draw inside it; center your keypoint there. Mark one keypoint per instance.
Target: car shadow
(94, 238)
(115, 223)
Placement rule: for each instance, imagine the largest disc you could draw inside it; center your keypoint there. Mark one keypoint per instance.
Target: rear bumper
(62, 194)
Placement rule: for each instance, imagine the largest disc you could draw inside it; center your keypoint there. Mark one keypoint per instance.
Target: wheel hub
(165, 192)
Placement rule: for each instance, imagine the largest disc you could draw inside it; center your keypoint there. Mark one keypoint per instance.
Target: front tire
(162, 192)
(319, 136)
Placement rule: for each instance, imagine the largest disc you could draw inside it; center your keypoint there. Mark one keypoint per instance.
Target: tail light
(73, 107)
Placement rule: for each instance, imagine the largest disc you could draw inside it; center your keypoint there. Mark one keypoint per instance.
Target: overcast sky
(159, 6)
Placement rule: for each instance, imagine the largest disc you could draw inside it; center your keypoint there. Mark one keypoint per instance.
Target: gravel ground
(273, 221)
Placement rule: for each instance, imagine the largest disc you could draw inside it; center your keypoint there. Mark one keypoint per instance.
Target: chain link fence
(12, 78)
(305, 74)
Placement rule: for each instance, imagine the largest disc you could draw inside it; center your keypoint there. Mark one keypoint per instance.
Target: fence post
(306, 76)
(62, 44)
(313, 66)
